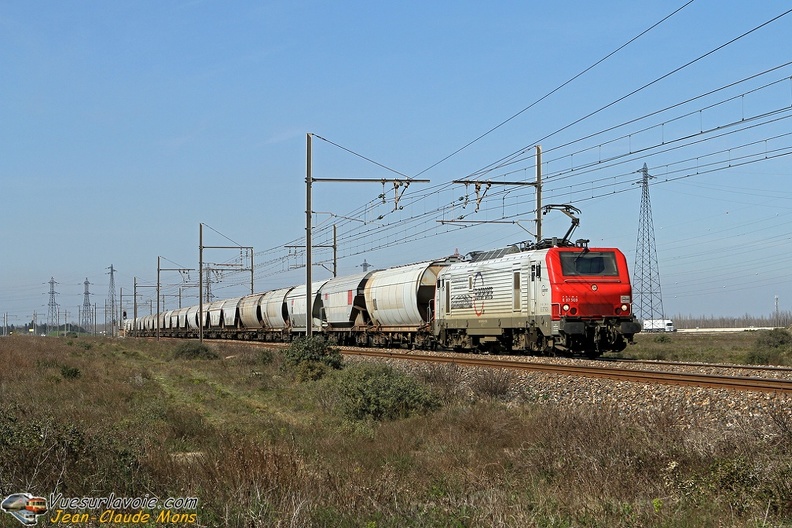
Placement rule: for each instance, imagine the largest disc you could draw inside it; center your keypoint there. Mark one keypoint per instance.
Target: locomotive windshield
(589, 263)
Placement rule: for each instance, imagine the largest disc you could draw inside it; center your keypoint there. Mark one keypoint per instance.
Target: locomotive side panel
(503, 300)
(481, 295)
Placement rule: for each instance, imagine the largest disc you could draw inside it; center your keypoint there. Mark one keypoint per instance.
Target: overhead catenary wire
(498, 163)
(556, 89)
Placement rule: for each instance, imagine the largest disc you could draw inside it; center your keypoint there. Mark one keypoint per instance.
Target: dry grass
(727, 347)
(261, 449)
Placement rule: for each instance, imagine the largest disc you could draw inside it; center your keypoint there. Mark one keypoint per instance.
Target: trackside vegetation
(304, 438)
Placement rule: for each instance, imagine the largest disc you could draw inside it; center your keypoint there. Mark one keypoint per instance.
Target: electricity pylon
(87, 313)
(52, 313)
(647, 297)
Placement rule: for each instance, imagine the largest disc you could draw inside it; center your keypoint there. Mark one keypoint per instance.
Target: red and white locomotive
(568, 298)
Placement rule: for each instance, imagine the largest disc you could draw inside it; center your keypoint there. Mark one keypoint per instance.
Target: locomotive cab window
(589, 263)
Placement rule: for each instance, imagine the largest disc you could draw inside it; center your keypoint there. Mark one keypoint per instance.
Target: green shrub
(309, 370)
(770, 347)
(194, 350)
(378, 392)
(265, 356)
(775, 338)
(70, 372)
(763, 357)
(313, 349)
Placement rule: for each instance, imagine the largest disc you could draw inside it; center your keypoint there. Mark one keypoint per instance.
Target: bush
(314, 349)
(194, 350)
(775, 338)
(770, 347)
(70, 372)
(378, 392)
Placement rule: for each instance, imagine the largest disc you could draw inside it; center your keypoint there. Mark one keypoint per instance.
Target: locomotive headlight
(565, 307)
(625, 308)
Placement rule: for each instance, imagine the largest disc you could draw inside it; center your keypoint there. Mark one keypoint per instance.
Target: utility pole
(240, 267)
(777, 316)
(402, 184)
(159, 270)
(135, 287)
(481, 188)
(111, 303)
(334, 246)
(647, 297)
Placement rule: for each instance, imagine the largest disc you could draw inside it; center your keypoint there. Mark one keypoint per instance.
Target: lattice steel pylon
(87, 313)
(52, 313)
(111, 303)
(647, 296)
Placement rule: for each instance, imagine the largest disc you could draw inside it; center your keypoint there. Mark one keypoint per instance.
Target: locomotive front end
(591, 299)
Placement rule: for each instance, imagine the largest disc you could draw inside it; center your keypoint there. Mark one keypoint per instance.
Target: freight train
(550, 298)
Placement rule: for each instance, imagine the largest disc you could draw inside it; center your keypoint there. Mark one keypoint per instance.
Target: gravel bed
(718, 410)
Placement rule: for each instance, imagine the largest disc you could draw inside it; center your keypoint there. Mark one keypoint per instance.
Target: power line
(557, 88)
(499, 163)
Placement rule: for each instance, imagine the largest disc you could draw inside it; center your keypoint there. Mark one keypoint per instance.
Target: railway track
(665, 377)
(655, 363)
(716, 381)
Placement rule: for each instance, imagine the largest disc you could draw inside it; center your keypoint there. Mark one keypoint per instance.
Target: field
(752, 347)
(264, 438)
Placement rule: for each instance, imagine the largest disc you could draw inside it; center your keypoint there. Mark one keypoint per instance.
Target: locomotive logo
(481, 293)
(24, 507)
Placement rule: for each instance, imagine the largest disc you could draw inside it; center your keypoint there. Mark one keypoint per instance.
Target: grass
(750, 347)
(261, 445)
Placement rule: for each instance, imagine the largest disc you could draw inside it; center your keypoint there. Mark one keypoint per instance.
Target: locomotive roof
(476, 256)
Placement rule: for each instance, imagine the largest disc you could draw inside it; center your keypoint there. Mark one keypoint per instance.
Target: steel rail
(759, 368)
(714, 381)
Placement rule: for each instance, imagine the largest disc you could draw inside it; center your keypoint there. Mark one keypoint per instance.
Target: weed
(70, 373)
(492, 383)
(445, 379)
(194, 350)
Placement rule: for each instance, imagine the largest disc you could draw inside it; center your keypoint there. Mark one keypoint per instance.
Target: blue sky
(127, 124)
